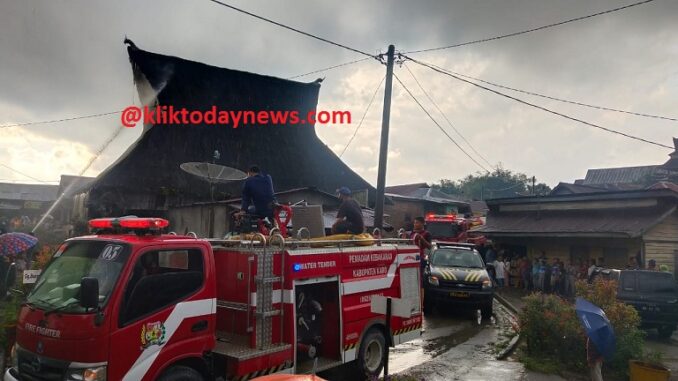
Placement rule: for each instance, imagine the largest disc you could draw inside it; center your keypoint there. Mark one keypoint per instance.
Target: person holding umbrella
(600, 342)
(11, 245)
(595, 361)
(4, 269)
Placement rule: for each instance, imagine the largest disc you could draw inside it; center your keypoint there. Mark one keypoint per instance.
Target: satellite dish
(214, 173)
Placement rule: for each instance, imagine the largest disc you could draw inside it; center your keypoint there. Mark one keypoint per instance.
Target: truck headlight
(88, 374)
(487, 284)
(13, 357)
(433, 280)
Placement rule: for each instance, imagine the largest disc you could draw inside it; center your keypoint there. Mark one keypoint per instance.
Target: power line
(530, 30)
(116, 112)
(560, 99)
(537, 106)
(363, 118)
(444, 116)
(437, 124)
(23, 174)
(89, 163)
(61, 120)
(293, 29)
(19, 181)
(330, 68)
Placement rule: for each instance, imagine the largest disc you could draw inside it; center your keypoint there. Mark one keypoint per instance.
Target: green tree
(496, 184)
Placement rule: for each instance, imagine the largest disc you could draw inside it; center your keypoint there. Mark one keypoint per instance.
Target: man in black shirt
(350, 215)
(257, 192)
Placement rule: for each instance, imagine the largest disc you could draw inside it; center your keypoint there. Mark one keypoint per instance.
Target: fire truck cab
(130, 303)
(450, 228)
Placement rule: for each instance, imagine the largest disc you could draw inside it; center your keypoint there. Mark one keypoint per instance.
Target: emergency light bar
(441, 217)
(129, 223)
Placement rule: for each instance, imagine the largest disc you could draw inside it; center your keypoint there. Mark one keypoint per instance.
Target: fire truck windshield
(449, 257)
(443, 229)
(58, 287)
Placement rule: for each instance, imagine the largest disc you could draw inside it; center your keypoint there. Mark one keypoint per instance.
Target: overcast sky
(61, 59)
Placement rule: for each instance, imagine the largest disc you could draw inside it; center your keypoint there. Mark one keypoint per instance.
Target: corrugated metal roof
(623, 175)
(28, 192)
(422, 192)
(567, 188)
(405, 189)
(601, 223)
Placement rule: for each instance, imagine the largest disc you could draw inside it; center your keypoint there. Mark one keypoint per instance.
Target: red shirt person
(422, 239)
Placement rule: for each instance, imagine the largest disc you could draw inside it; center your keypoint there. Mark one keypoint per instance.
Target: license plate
(460, 294)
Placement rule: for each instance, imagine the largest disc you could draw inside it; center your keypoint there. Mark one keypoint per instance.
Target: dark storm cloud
(66, 58)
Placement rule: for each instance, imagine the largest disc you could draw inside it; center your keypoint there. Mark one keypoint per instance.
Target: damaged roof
(291, 153)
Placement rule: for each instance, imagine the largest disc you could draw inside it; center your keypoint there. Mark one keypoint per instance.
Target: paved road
(453, 344)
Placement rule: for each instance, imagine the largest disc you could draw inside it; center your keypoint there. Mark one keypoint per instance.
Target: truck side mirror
(89, 292)
(10, 278)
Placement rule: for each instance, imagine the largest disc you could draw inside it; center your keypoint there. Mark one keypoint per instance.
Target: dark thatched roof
(672, 163)
(292, 154)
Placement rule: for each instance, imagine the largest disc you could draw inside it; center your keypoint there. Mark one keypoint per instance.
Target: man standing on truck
(257, 192)
(349, 216)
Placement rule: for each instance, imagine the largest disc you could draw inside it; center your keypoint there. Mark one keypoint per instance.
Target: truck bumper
(10, 375)
(453, 296)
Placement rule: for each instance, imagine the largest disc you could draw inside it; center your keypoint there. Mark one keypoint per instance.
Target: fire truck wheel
(180, 373)
(372, 353)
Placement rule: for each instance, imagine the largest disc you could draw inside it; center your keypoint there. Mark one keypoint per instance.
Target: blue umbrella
(15, 243)
(598, 327)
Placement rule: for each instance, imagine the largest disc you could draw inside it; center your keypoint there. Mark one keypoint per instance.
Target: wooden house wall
(661, 242)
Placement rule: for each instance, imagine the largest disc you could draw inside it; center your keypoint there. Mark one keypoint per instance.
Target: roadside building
(419, 199)
(612, 226)
(22, 205)
(213, 219)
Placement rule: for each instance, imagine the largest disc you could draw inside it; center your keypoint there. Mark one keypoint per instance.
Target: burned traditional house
(147, 179)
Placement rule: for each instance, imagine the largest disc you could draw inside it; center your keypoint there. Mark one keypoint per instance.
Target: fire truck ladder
(264, 281)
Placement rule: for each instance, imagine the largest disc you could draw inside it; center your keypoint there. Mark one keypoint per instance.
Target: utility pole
(383, 147)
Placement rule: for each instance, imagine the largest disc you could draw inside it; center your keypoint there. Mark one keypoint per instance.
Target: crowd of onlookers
(509, 269)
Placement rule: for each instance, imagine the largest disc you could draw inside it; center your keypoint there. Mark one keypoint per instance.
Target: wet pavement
(470, 354)
(668, 347)
(453, 347)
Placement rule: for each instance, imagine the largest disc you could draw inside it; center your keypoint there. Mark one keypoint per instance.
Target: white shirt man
(500, 270)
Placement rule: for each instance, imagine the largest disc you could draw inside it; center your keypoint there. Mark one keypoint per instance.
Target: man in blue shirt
(257, 194)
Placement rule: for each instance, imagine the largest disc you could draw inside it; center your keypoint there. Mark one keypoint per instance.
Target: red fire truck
(449, 228)
(130, 303)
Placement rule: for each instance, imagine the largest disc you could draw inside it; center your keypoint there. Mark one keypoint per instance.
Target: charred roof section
(148, 176)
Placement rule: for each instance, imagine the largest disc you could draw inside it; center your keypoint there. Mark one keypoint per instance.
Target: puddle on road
(448, 335)
(442, 335)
